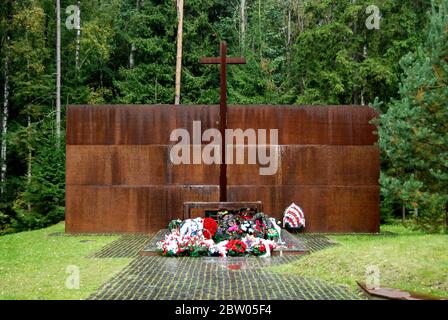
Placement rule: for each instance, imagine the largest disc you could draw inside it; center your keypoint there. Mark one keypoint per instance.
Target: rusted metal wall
(120, 178)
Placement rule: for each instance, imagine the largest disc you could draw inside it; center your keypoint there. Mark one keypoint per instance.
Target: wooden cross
(223, 60)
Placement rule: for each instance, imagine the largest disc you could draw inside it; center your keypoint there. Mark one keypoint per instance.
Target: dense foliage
(414, 131)
(298, 52)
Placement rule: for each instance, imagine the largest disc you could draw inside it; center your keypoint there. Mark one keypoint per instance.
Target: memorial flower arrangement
(236, 248)
(228, 234)
(210, 228)
(176, 245)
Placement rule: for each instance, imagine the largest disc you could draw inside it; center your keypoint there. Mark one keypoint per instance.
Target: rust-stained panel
(134, 165)
(134, 125)
(130, 208)
(313, 165)
(120, 178)
(327, 209)
(320, 125)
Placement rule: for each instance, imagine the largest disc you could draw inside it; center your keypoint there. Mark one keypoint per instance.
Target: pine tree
(41, 203)
(298, 51)
(414, 132)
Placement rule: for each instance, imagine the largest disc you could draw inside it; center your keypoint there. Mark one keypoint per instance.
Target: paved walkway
(148, 278)
(248, 278)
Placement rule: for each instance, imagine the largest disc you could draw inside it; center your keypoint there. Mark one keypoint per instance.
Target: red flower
(210, 227)
(236, 247)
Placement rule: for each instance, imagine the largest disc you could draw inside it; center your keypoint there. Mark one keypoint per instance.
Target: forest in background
(298, 52)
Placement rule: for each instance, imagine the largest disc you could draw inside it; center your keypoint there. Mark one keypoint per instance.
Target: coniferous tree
(414, 133)
(298, 51)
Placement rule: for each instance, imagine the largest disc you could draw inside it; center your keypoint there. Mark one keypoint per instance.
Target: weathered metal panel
(120, 178)
(134, 125)
(153, 124)
(313, 165)
(320, 125)
(327, 208)
(129, 208)
(134, 165)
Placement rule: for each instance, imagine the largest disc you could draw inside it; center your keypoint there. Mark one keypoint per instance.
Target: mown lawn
(406, 260)
(33, 265)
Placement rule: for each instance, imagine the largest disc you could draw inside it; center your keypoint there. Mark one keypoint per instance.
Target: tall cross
(223, 60)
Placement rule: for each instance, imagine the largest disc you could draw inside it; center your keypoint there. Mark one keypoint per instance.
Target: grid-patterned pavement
(159, 278)
(314, 242)
(245, 278)
(127, 246)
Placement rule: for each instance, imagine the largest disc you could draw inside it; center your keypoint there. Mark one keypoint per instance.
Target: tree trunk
(243, 25)
(259, 29)
(133, 48)
(300, 16)
(58, 73)
(180, 15)
(28, 171)
(446, 217)
(362, 88)
(78, 34)
(298, 7)
(288, 39)
(355, 89)
(5, 114)
(155, 90)
(289, 25)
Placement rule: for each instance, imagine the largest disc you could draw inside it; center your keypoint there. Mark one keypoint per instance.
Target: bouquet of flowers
(210, 228)
(258, 246)
(234, 234)
(170, 247)
(263, 248)
(176, 245)
(236, 248)
(259, 249)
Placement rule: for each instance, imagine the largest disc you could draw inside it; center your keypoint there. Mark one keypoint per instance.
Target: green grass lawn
(33, 265)
(407, 260)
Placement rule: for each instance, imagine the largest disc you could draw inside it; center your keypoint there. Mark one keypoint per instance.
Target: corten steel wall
(120, 178)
